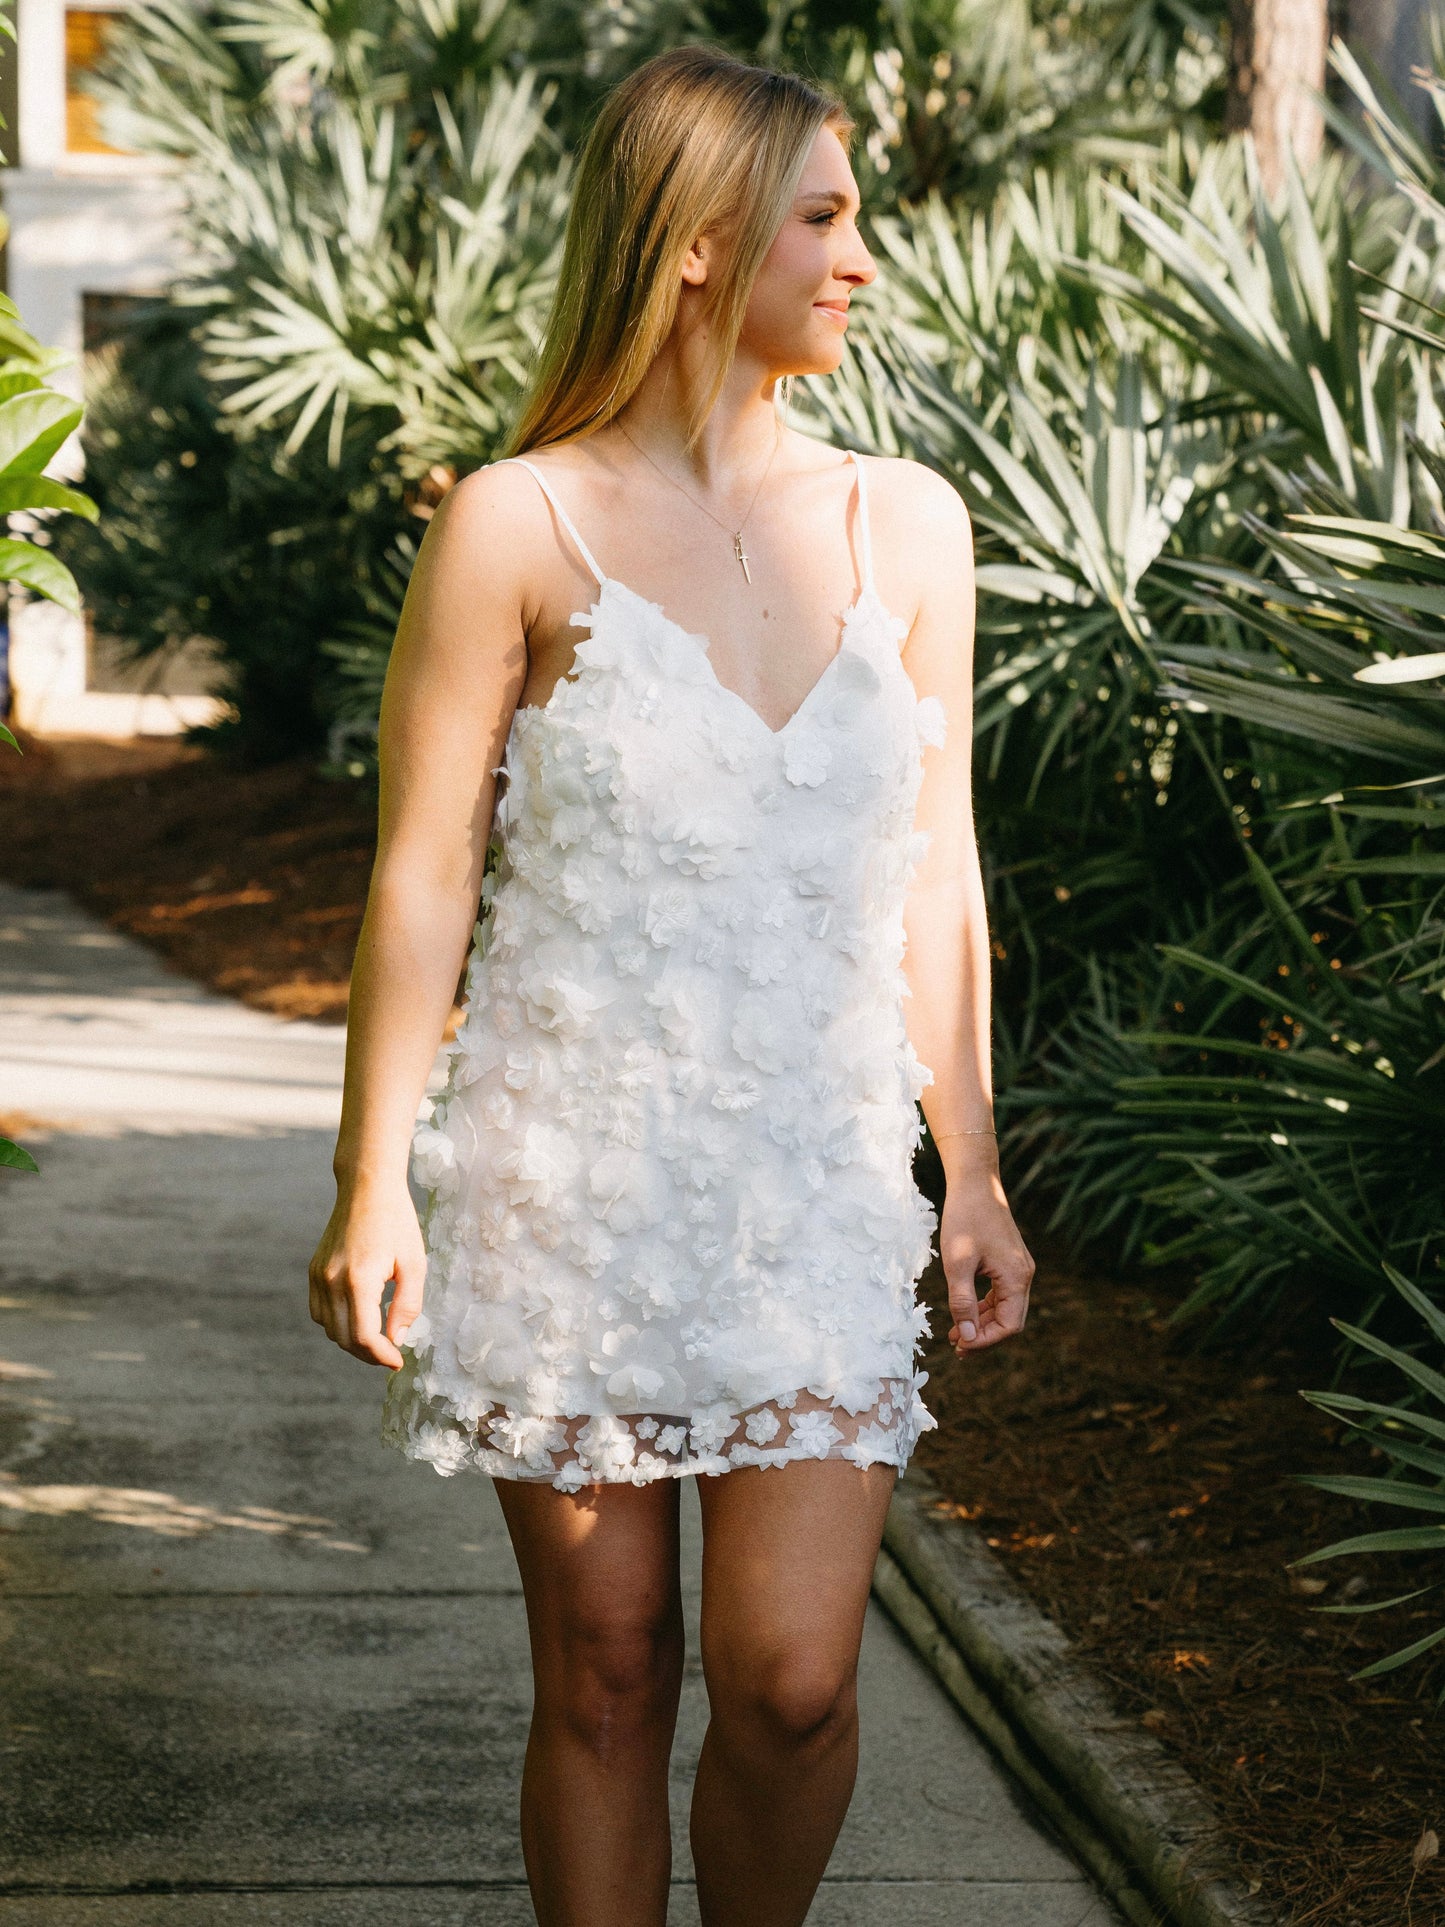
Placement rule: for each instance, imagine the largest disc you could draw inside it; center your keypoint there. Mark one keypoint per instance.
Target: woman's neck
(739, 435)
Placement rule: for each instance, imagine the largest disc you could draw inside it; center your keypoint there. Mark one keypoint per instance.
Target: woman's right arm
(457, 668)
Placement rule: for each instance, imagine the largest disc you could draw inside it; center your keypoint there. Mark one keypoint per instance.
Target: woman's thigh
(788, 1557)
(599, 1574)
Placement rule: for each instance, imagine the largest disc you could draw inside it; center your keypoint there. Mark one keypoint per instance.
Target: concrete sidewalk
(258, 1669)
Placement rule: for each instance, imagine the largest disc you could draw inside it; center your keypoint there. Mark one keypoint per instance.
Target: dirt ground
(1138, 1485)
(252, 881)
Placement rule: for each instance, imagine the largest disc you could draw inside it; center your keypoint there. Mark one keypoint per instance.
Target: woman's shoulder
(915, 494)
(500, 507)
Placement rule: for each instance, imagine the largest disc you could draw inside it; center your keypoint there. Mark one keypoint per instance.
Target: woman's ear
(696, 261)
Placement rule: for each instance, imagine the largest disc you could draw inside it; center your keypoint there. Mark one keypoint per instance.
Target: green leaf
(39, 571)
(40, 492)
(1393, 1539)
(1383, 1491)
(32, 427)
(1405, 1654)
(1348, 1609)
(6, 737)
(1432, 1314)
(13, 1158)
(1424, 1376)
(1345, 1404)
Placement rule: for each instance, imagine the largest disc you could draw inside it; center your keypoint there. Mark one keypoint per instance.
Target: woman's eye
(823, 220)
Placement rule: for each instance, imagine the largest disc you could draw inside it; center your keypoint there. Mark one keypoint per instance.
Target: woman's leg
(604, 1611)
(788, 1556)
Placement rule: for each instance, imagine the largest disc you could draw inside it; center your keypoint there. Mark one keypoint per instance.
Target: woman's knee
(613, 1674)
(794, 1694)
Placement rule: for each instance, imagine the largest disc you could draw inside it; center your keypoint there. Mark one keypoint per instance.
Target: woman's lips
(839, 309)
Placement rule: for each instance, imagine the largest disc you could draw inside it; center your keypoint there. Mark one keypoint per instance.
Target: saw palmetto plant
(1410, 1438)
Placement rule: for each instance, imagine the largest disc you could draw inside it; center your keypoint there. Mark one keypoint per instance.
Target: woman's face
(797, 313)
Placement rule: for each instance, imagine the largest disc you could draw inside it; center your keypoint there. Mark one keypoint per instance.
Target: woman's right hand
(371, 1237)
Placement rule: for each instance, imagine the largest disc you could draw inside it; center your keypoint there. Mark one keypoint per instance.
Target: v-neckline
(704, 649)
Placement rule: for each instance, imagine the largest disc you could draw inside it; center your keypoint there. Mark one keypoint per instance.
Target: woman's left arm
(946, 923)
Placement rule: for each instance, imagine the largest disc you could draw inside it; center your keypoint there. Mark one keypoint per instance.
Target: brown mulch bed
(1136, 1484)
(1138, 1487)
(251, 881)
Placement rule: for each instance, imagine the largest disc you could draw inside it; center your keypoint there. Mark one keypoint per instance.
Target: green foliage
(34, 420)
(1410, 1437)
(209, 532)
(375, 197)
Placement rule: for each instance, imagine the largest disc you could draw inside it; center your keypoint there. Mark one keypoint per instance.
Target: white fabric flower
(564, 989)
(710, 1427)
(540, 1165)
(932, 723)
(767, 1032)
(812, 1433)
(638, 1363)
(697, 840)
(629, 953)
(605, 1447)
(434, 1160)
(736, 1095)
(815, 860)
(768, 960)
(806, 760)
(874, 1445)
(532, 1440)
(668, 915)
(586, 889)
(628, 1190)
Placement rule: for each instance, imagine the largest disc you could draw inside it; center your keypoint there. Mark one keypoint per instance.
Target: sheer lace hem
(606, 1448)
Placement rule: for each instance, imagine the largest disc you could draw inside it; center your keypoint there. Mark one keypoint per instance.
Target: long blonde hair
(692, 142)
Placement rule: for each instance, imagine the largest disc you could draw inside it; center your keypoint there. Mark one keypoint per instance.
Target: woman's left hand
(977, 1237)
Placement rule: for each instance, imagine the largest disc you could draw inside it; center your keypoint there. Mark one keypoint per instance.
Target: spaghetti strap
(563, 517)
(863, 529)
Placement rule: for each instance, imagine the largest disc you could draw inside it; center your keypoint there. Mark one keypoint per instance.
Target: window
(86, 29)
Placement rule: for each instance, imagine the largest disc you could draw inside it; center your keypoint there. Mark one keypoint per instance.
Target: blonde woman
(704, 684)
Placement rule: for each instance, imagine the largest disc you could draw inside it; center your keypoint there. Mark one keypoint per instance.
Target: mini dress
(669, 1206)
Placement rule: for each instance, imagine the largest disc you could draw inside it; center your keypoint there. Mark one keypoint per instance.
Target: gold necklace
(737, 533)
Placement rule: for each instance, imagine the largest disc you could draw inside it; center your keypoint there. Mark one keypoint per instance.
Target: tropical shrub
(1410, 1436)
(375, 197)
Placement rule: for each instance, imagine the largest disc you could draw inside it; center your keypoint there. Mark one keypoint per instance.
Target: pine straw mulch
(1136, 1485)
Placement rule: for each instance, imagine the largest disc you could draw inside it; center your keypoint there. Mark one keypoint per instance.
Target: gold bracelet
(983, 1130)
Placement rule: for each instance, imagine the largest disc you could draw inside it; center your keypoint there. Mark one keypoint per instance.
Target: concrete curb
(1134, 1818)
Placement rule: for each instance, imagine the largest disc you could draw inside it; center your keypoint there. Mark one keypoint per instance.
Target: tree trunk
(1277, 54)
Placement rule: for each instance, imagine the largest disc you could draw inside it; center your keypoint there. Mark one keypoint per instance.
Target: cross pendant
(738, 552)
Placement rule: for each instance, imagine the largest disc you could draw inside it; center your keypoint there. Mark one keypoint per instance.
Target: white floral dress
(671, 1219)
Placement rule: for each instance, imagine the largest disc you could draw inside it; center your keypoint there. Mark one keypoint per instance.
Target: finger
(963, 1297)
(1004, 1309)
(338, 1313)
(368, 1342)
(406, 1300)
(316, 1289)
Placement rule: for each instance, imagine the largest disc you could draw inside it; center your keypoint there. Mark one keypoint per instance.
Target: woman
(671, 1226)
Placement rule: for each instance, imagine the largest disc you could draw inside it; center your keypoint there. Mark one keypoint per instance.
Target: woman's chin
(815, 361)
